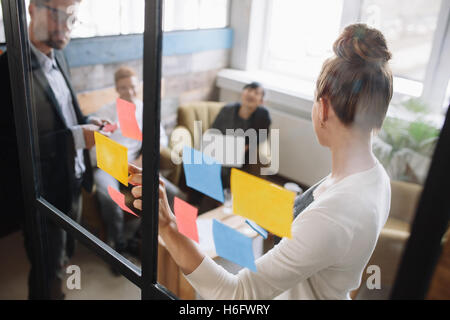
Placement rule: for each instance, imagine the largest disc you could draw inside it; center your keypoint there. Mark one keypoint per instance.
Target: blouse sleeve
(317, 243)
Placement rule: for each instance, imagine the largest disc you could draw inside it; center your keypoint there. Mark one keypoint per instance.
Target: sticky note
(234, 246)
(119, 199)
(267, 204)
(257, 228)
(203, 173)
(205, 235)
(112, 157)
(186, 216)
(126, 112)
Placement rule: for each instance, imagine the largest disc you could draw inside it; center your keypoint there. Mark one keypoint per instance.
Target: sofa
(394, 235)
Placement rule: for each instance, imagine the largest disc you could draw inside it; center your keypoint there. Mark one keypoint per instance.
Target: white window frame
(227, 21)
(122, 16)
(249, 20)
(2, 29)
(438, 69)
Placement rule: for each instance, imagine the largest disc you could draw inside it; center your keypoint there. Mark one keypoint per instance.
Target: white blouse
(332, 241)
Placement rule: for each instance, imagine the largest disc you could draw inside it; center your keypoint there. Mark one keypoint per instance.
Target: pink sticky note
(126, 112)
(186, 216)
(110, 127)
(119, 199)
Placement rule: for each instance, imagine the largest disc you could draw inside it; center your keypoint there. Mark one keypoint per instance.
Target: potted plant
(406, 142)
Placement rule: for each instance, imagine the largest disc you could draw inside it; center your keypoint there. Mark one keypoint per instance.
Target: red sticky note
(119, 199)
(126, 112)
(110, 127)
(186, 216)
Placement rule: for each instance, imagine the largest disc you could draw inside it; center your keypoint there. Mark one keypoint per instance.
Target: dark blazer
(56, 144)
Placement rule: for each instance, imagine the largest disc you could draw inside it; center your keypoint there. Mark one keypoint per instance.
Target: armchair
(395, 233)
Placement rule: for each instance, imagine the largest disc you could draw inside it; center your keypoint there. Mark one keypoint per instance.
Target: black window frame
(37, 208)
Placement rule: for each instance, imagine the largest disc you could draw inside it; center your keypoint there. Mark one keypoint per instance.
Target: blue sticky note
(257, 228)
(203, 173)
(234, 246)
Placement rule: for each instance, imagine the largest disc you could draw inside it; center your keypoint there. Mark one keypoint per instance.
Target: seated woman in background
(341, 216)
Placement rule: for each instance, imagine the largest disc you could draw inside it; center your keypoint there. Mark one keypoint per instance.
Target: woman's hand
(98, 121)
(182, 249)
(135, 179)
(166, 217)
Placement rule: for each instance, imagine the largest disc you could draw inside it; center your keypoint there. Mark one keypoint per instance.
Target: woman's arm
(317, 242)
(183, 250)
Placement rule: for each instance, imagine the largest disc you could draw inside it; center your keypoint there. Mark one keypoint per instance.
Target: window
(124, 16)
(299, 36)
(298, 40)
(2, 29)
(409, 28)
(195, 14)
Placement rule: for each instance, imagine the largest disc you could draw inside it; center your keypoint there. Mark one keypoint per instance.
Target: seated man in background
(127, 84)
(249, 113)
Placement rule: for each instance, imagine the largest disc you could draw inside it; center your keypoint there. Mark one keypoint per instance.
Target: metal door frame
(14, 15)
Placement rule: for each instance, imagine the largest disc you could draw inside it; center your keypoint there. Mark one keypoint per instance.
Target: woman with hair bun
(338, 220)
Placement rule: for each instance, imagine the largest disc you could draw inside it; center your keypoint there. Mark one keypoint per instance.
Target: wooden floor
(97, 281)
(440, 284)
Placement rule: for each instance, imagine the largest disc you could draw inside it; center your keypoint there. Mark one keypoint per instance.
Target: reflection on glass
(446, 99)
(195, 14)
(72, 105)
(87, 277)
(123, 17)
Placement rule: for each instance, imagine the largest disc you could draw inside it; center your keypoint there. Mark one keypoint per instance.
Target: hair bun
(359, 43)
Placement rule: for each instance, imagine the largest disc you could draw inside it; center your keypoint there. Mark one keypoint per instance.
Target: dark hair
(255, 85)
(358, 80)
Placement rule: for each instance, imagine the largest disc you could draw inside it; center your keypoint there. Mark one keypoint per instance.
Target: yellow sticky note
(112, 157)
(267, 204)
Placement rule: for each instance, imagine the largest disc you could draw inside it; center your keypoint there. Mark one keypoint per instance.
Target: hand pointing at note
(182, 249)
(95, 124)
(165, 213)
(88, 133)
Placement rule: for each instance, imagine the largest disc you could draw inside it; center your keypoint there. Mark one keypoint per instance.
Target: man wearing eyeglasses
(65, 134)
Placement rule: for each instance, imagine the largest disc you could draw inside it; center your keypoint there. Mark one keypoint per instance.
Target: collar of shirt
(47, 63)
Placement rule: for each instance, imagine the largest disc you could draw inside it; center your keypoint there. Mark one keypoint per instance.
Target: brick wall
(187, 77)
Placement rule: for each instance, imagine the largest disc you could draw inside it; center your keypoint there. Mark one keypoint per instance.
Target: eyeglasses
(61, 17)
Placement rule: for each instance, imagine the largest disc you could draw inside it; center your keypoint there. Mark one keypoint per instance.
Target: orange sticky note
(267, 204)
(186, 216)
(119, 199)
(112, 157)
(126, 112)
